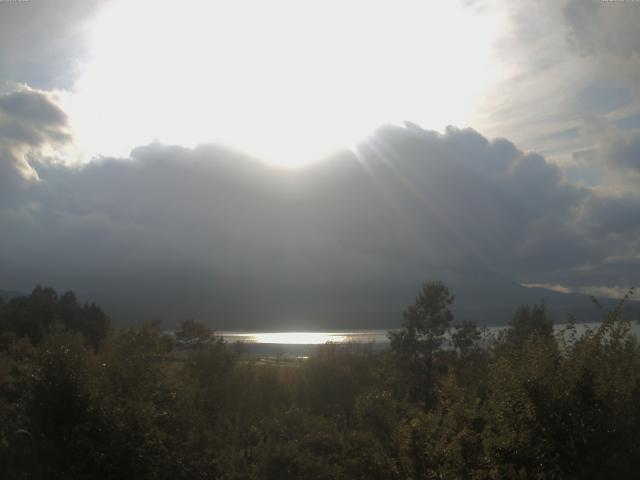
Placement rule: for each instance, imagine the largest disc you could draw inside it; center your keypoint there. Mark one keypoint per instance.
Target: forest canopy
(79, 399)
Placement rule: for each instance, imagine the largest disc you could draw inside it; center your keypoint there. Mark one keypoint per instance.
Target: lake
(307, 338)
(351, 336)
(302, 343)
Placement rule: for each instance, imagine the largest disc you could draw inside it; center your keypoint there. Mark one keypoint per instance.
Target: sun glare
(286, 81)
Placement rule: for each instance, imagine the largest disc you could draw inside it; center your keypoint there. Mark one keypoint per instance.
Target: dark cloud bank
(213, 234)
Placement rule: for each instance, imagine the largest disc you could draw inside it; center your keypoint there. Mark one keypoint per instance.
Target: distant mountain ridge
(498, 307)
(483, 298)
(7, 295)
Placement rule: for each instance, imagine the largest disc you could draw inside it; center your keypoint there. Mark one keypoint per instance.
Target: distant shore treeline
(80, 399)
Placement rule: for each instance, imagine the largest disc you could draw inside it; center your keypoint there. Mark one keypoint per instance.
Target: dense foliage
(78, 400)
(39, 314)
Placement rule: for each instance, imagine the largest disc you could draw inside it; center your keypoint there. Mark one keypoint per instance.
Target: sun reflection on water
(289, 338)
(306, 338)
(299, 338)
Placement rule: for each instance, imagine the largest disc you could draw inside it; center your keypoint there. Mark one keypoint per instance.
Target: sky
(305, 160)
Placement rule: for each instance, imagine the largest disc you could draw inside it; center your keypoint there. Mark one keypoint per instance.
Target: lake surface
(308, 338)
(378, 337)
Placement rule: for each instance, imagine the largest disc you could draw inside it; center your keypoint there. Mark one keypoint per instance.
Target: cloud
(552, 287)
(615, 151)
(31, 123)
(615, 292)
(609, 29)
(626, 153)
(212, 233)
(43, 42)
(570, 61)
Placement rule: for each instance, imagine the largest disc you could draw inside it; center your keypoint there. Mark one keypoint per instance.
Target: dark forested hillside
(44, 312)
(6, 295)
(480, 297)
(79, 399)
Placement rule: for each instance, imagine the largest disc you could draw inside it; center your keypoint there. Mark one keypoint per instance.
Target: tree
(424, 326)
(192, 332)
(37, 315)
(527, 322)
(466, 338)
